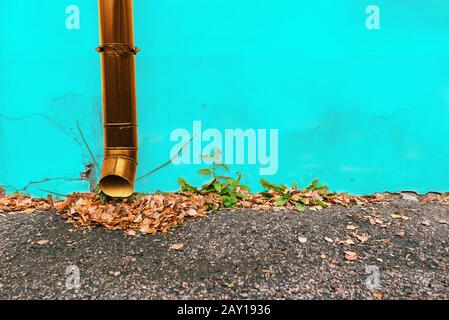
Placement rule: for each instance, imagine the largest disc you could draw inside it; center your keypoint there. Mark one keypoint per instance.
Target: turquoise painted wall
(362, 110)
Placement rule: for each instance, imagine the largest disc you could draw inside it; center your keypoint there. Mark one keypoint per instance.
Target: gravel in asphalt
(398, 250)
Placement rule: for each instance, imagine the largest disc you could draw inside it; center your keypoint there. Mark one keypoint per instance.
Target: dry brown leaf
(43, 242)
(377, 296)
(302, 240)
(131, 232)
(359, 201)
(177, 246)
(350, 256)
(425, 223)
(347, 242)
(362, 238)
(192, 213)
(138, 219)
(443, 222)
(327, 239)
(400, 233)
(351, 227)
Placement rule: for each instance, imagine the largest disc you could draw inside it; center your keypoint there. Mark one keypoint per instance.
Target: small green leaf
(222, 165)
(218, 186)
(241, 195)
(213, 206)
(206, 172)
(315, 186)
(272, 186)
(319, 203)
(233, 184)
(283, 200)
(267, 195)
(206, 188)
(299, 207)
(229, 201)
(185, 186)
(227, 179)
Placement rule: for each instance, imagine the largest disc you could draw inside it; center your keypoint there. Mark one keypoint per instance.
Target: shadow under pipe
(119, 97)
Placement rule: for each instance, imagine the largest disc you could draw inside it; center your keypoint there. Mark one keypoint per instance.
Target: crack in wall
(71, 103)
(50, 179)
(87, 175)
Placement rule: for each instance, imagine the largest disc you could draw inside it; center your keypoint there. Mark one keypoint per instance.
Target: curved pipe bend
(119, 97)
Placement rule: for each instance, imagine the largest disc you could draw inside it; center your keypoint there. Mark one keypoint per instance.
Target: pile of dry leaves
(22, 203)
(161, 212)
(147, 214)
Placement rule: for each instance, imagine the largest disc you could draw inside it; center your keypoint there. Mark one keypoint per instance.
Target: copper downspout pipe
(119, 97)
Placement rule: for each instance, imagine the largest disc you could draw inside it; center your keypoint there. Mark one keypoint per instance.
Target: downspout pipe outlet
(119, 97)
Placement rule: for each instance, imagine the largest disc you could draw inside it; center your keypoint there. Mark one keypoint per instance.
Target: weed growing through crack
(229, 189)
